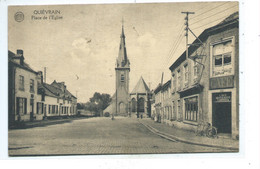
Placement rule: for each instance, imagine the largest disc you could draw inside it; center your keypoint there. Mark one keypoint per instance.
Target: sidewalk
(175, 134)
(41, 123)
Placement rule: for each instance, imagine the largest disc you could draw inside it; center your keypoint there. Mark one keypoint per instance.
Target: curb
(174, 138)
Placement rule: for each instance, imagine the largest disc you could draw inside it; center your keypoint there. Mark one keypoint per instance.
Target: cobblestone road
(95, 136)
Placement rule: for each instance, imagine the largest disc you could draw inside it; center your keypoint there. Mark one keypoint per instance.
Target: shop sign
(222, 97)
(221, 82)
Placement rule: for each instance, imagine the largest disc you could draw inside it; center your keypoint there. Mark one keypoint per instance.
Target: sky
(81, 48)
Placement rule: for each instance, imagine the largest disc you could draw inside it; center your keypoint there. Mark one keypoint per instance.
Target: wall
(205, 97)
(26, 93)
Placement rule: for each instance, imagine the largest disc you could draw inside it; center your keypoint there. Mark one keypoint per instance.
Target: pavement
(47, 122)
(97, 135)
(189, 137)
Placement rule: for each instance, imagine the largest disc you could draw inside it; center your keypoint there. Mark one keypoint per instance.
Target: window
(21, 82)
(58, 100)
(53, 109)
(179, 79)
(191, 109)
(122, 78)
(39, 108)
(186, 74)
(195, 70)
(57, 109)
(179, 111)
(49, 109)
(31, 85)
(173, 82)
(222, 59)
(173, 111)
(21, 104)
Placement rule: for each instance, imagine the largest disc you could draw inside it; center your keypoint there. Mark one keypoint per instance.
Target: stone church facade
(120, 100)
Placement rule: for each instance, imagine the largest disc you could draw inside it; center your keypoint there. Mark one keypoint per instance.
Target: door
(31, 109)
(122, 108)
(221, 108)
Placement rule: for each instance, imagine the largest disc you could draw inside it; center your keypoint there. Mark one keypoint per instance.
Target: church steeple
(122, 60)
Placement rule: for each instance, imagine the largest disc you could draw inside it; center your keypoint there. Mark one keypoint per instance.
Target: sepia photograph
(123, 79)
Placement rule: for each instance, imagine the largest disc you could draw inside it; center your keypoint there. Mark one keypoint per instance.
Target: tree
(98, 103)
(80, 105)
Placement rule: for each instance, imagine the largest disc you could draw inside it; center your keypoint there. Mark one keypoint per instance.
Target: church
(123, 104)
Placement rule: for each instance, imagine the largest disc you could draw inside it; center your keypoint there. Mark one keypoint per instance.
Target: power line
(209, 10)
(213, 14)
(173, 53)
(210, 22)
(173, 47)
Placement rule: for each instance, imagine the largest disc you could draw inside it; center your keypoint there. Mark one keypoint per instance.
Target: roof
(230, 22)
(60, 86)
(140, 87)
(166, 85)
(53, 91)
(158, 88)
(122, 60)
(25, 66)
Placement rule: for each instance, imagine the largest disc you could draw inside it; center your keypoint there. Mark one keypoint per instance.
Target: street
(98, 135)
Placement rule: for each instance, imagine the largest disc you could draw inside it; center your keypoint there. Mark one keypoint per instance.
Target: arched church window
(122, 78)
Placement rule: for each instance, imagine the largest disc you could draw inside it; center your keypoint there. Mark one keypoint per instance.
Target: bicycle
(206, 129)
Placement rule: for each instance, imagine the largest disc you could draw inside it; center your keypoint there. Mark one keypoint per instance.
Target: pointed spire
(122, 60)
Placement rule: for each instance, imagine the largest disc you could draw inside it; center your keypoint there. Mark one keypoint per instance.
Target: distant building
(205, 86)
(140, 99)
(166, 104)
(120, 100)
(58, 101)
(158, 103)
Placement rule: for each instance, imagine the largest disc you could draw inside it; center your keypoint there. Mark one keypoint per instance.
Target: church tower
(122, 78)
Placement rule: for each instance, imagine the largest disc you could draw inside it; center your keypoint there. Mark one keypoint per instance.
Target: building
(32, 99)
(166, 105)
(120, 100)
(205, 86)
(22, 89)
(158, 103)
(57, 100)
(140, 99)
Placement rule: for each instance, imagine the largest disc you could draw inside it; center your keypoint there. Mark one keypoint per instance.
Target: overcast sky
(85, 42)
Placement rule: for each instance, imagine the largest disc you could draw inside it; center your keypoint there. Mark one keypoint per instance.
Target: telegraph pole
(187, 30)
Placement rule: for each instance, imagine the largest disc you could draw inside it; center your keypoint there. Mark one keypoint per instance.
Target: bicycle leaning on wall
(206, 129)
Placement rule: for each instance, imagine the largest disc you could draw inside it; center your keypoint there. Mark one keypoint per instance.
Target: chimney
(20, 54)
(40, 76)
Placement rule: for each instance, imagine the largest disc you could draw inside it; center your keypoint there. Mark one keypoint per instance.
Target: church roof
(122, 60)
(141, 87)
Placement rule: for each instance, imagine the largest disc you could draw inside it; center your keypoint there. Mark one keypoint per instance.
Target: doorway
(31, 109)
(122, 108)
(221, 111)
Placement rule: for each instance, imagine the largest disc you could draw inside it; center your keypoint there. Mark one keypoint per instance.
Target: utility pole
(187, 31)
(45, 74)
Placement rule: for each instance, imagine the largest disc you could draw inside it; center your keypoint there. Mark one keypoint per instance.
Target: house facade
(22, 89)
(58, 101)
(205, 86)
(29, 98)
